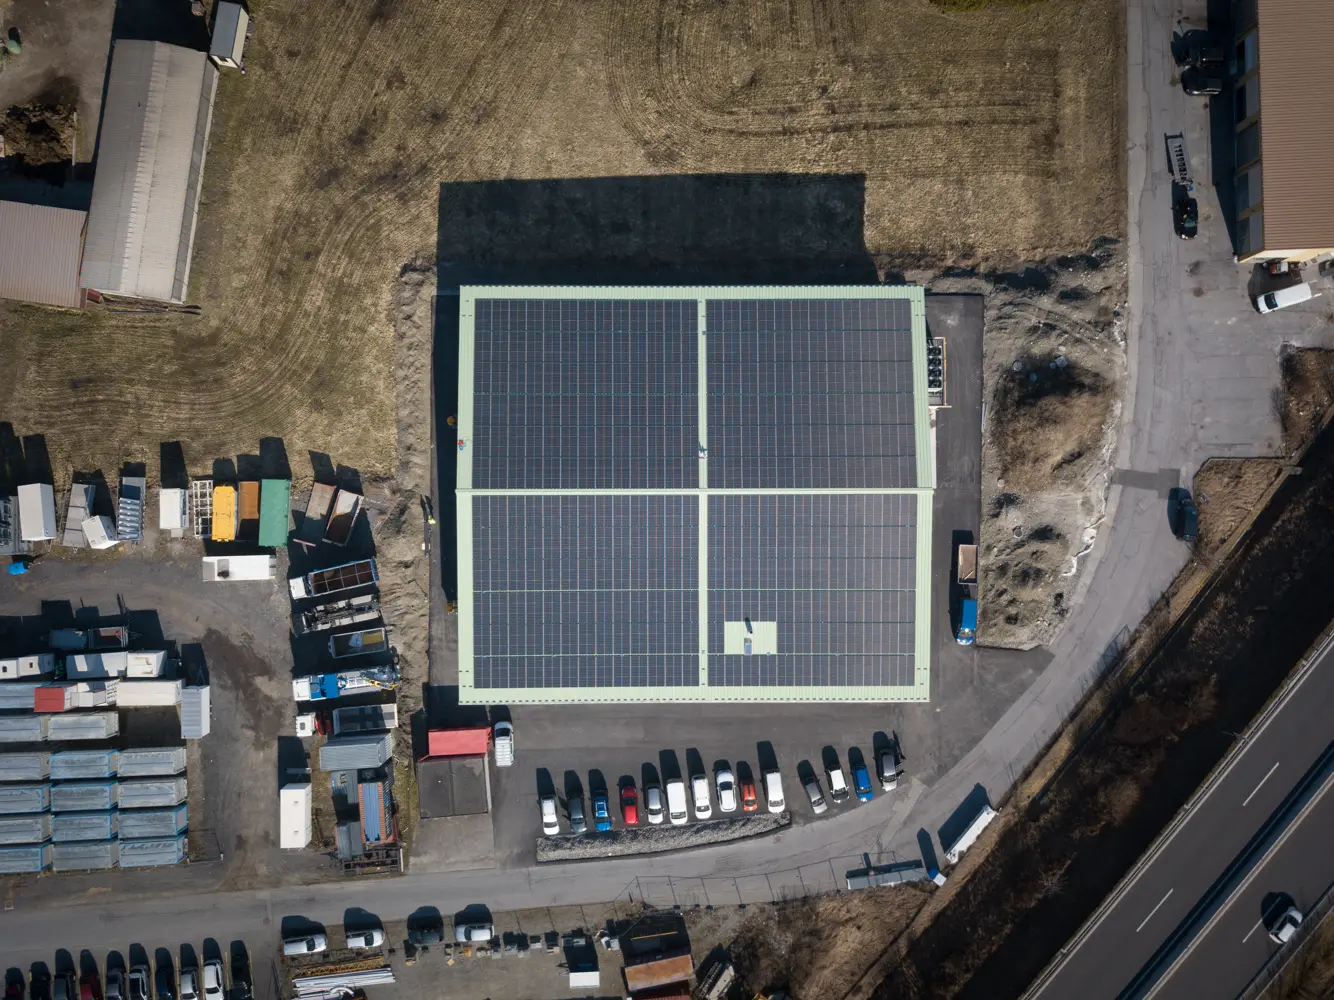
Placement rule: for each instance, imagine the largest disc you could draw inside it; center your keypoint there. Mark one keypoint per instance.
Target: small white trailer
(232, 569)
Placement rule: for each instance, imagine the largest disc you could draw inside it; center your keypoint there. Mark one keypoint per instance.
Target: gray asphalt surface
(1237, 944)
(1255, 783)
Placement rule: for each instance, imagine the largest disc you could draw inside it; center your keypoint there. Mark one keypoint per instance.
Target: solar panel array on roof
(693, 493)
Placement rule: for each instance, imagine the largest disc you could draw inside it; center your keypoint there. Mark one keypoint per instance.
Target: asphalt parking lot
(586, 747)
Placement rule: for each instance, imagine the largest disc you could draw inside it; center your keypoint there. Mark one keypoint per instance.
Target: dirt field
(980, 134)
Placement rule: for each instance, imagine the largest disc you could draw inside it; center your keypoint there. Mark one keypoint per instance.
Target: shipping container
(275, 511)
(224, 513)
(100, 532)
(84, 855)
(34, 828)
(153, 824)
(294, 807)
(84, 796)
(37, 512)
(346, 510)
(82, 726)
(152, 853)
(18, 799)
(24, 667)
(364, 719)
(10, 542)
(78, 510)
(149, 694)
(237, 569)
(351, 753)
(17, 696)
(317, 509)
(35, 766)
(75, 695)
(247, 527)
(144, 664)
(363, 642)
(67, 826)
(196, 721)
(25, 860)
(73, 765)
(201, 507)
(360, 573)
(146, 763)
(152, 793)
(172, 515)
(23, 728)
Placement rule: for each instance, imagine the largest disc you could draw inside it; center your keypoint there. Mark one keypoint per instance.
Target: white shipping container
(172, 511)
(196, 720)
(147, 694)
(143, 763)
(146, 664)
(231, 569)
(100, 532)
(37, 512)
(82, 726)
(294, 807)
(18, 667)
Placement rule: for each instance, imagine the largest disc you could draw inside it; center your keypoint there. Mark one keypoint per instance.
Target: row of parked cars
(208, 982)
(674, 802)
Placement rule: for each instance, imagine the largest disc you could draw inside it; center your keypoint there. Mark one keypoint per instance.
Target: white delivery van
(1285, 297)
(676, 801)
(773, 791)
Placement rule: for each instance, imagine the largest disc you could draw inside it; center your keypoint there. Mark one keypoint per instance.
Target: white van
(676, 802)
(502, 738)
(1285, 297)
(699, 791)
(773, 791)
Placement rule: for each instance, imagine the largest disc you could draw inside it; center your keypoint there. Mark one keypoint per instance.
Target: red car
(749, 803)
(630, 805)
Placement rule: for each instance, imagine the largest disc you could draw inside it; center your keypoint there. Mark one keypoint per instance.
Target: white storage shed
(294, 805)
(37, 512)
(231, 569)
(229, 31)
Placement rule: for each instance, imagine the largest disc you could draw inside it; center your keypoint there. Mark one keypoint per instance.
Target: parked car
(1185, 515)
(14, 985)
(861, 781)
(676, 802)
(630, 805)
(725, 785)
(577, 822)
(115, 984)
(1205, 53)
(137, 982)
(307, 944)
(773, 791)
(601, 812)
(888, 766)
(653, 804)
(502, 739)
(838, 785)
(242, 983)
(813, 792)
(550, 816)
(749, 800)
(363, 940)
(190, 983)
(39, 985)
(1284, 297)
(1200, 82)
(426, 931)
(215, 982)
(1286, 925)
(1185, 216)
(62, 986)
(699, 794)
(473, 933)
(90, 987)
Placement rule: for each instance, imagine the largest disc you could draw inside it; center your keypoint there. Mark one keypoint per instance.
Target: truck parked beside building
(967, 580)
(344, 576)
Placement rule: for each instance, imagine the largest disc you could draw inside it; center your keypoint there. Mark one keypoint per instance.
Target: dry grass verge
(1310, 974)
(1229, 491)
(1306, 395)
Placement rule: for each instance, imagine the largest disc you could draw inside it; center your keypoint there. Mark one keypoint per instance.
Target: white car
(699, 793)
(502, 738)
(189, 984)
(550, 816)
(473, 933)
(677, 813)
(214, 983)
(653, 807)
(307, 944)
(725, 786)
(364, 940)
(1286, 926)
(773, 791)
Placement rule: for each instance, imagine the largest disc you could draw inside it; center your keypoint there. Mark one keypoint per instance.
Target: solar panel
(585, 394)
(836, 574)
(810, 393)
(585, 591)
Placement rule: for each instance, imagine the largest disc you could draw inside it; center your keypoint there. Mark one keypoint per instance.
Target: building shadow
(273, 463)
(12, 467)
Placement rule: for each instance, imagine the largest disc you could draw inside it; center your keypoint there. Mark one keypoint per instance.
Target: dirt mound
(38, 135)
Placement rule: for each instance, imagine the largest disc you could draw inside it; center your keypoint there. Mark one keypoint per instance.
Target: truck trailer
(345, 576)
(967, 580)
(361, 643)
(323, 687)
(346, 510)
(338, 614)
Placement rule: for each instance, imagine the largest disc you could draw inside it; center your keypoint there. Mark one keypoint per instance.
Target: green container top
(275, 502)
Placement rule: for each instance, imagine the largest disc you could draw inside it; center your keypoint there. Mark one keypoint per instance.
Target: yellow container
(224, 513)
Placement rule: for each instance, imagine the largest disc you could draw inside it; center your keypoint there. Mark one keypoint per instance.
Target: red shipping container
(48, 699)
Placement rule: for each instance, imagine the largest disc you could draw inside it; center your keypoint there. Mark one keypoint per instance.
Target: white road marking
(1258, 923)
(1262, 781)
(1153, 911)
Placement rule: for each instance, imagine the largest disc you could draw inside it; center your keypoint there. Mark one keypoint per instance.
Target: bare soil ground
(1306, 395)
(38, 135)
(1066, 848)
(1228, 492)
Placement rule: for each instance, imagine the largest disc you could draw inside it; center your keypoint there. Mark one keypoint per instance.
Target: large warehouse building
(150, 165)
(693, 494)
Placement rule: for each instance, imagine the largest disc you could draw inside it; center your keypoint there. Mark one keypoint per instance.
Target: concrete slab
(453, 786)
(454, 843)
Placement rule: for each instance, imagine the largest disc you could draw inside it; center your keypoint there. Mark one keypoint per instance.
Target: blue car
(601, 812)
(861, 781)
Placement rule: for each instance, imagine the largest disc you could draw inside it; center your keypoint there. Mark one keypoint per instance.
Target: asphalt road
(1237, 944)
(1256, 781)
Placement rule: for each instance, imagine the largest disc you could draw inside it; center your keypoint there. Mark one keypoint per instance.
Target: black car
(1186, 217)
(39, 985)
(1185, 515)
(63, 987)
(1201, 82)
(1206, 54)
(242, 985)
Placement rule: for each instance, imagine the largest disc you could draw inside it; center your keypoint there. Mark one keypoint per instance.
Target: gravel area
(655, 839)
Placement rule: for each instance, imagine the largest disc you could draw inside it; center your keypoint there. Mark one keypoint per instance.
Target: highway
(1125, 935)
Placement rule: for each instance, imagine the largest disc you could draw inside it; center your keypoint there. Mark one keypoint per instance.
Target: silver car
(816, 795)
